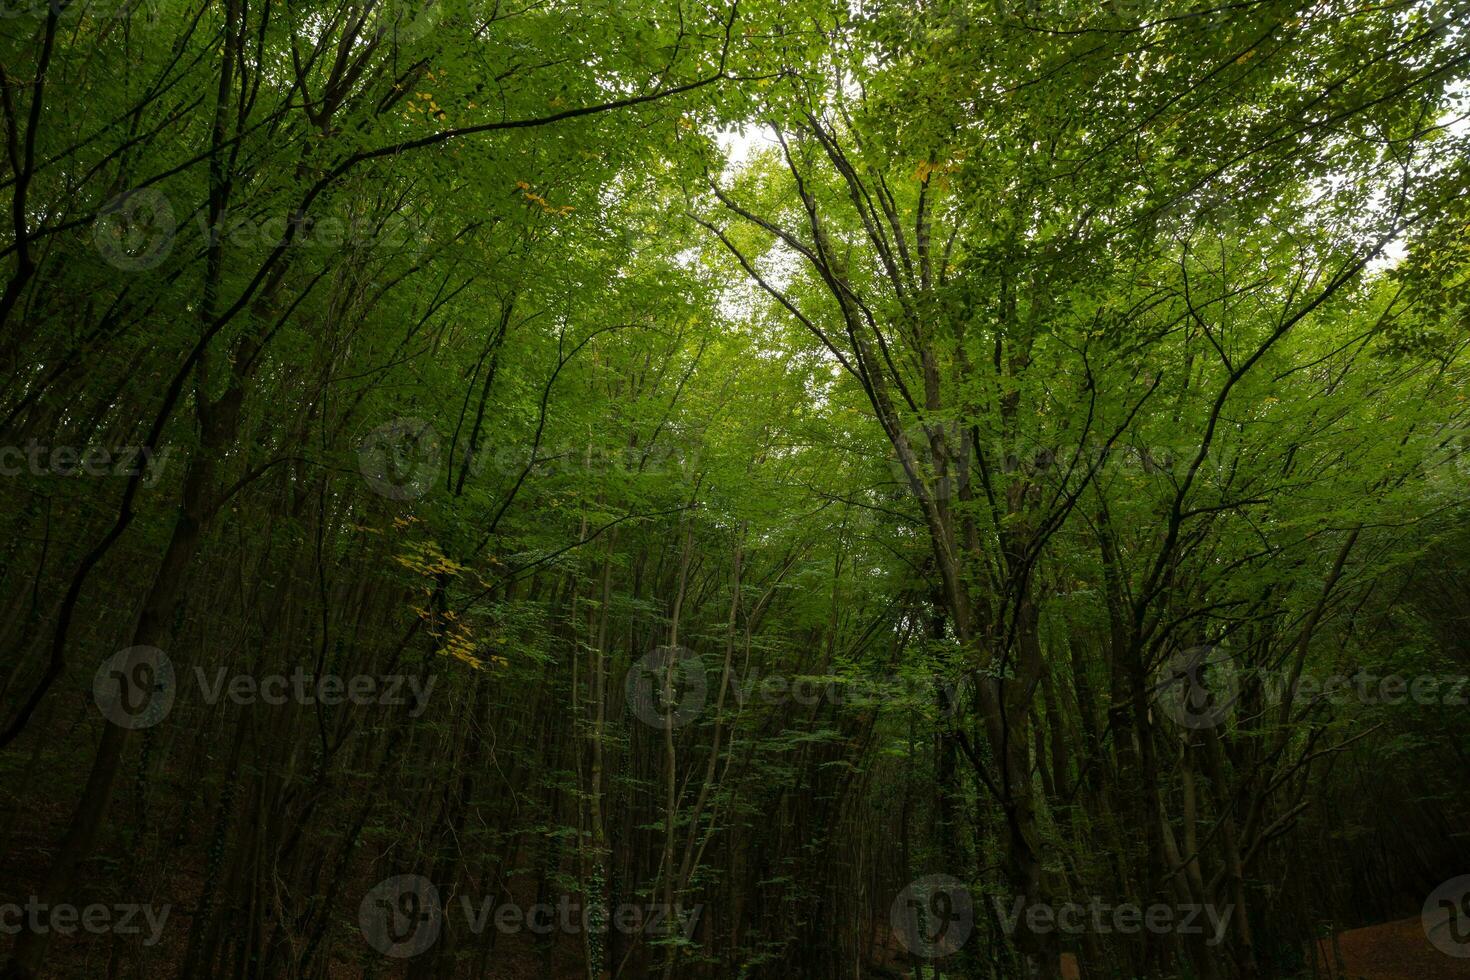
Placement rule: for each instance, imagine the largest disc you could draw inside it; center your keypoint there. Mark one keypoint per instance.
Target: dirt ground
(1391, 951)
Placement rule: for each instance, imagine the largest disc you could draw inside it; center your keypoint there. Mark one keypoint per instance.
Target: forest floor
(1391, 951)
(1395, 950)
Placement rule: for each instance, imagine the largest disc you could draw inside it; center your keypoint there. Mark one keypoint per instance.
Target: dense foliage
(734, 464)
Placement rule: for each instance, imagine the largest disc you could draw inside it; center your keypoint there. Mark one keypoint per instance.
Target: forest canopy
(563, 488)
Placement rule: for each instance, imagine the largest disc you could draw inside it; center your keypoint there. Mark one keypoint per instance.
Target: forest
(701, 489)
